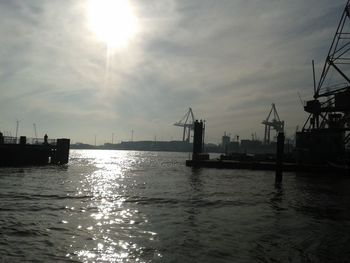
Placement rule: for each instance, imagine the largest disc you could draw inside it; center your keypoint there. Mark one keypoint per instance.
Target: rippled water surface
(124, 206)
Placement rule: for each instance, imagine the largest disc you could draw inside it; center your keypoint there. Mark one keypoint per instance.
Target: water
(124, 206)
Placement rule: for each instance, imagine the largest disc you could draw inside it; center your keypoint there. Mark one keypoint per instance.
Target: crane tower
(330, 107)
(274, 123)
(326, 132)
(187, 123)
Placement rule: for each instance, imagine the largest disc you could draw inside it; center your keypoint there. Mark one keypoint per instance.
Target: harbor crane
(326, 132)
(275, 123)
(330, 107)
(187, 123)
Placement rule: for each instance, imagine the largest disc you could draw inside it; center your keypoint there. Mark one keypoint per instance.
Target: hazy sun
(113, 21)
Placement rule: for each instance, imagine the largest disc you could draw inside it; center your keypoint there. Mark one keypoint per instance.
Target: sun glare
(112, 21)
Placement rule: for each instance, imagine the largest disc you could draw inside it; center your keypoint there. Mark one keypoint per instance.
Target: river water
(128, 206)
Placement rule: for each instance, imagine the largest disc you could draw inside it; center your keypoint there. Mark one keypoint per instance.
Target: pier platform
(26, 152)
(268, 166)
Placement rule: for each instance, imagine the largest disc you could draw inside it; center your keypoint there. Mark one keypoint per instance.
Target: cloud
(229, 60)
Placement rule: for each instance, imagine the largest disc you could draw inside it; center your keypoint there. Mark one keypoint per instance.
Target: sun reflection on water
(110, 229)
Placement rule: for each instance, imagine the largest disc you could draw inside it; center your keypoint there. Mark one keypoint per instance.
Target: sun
(112, 21)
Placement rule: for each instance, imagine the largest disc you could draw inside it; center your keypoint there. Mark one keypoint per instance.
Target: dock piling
(279, 157)
(22, 140)
(197, 139)
(62, 152)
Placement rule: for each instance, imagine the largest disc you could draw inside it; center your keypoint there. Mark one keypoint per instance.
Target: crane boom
(187, 122)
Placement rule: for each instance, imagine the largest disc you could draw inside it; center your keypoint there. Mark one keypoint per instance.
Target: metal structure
(275, 123)
(330, 108)
(187, 123)
(325, 133)
(35, 133)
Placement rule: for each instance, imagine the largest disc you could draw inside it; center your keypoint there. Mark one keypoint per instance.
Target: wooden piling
(197, 139)
(62, 151)
(22, 140)
(279, 157)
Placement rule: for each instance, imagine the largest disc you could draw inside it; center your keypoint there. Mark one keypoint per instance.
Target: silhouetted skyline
(228, 60)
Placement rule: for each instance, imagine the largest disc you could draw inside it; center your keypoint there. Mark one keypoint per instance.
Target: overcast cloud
(227, 59)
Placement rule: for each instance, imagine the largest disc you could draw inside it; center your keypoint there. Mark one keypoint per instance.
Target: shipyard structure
(272, 126)
(322, 145)
(325, 135)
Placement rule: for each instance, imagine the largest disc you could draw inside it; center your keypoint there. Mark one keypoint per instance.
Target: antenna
(314, 76)
(35, 134)
(17, 125)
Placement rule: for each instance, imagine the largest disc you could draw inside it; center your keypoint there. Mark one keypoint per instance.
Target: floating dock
(23, 152)
(267, 166)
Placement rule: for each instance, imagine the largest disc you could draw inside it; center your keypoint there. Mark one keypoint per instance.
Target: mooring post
(62, 152)
(22, 140)
(197, 139)
(279, 157)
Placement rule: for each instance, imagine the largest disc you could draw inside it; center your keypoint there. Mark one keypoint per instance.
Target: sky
(227, 59)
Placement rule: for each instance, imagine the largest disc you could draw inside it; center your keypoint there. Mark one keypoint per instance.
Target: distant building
(225, 142)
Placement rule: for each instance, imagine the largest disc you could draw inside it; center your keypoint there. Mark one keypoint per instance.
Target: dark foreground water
(120, 206)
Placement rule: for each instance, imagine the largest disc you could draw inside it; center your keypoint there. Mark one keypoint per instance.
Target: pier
(266, 166)
(24, 151)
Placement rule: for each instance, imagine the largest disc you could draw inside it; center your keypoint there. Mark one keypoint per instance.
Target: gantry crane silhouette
(186, 122)
(325, 136)
(330, 108)
(275, 123)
